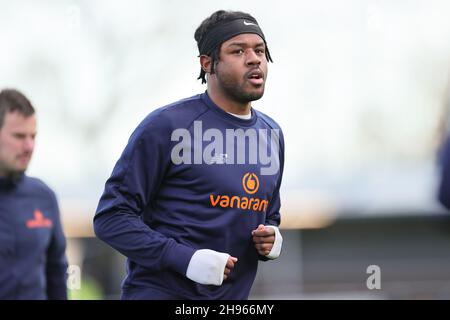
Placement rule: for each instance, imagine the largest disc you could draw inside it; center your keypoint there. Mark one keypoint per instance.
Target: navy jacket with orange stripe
(32, 244)
(162, 202)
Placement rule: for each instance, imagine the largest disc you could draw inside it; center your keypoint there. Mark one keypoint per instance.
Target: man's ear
(205, 63)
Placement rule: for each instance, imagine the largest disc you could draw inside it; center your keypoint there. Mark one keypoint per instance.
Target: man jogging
(193, 202)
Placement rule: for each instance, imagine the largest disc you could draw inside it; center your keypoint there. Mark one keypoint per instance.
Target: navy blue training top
(33, 264)
(158, 209)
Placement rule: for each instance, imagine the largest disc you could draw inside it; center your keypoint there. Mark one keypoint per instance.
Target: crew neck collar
(214, 107)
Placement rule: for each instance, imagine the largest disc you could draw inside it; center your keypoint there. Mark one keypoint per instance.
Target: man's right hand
(210, 267)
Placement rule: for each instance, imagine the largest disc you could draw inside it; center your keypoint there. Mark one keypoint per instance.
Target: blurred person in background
(192, 220)
(444, 182)
(33, 264)
(444, 152)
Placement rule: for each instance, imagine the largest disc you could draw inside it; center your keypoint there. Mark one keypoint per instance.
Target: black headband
(224, 31)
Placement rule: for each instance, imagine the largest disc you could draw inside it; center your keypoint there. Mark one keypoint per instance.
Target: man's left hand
(264, 239)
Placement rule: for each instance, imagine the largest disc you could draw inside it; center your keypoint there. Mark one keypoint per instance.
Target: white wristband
(276, 249)
(207, 267)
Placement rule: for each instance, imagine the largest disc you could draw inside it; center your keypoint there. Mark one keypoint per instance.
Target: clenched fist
(264, 238)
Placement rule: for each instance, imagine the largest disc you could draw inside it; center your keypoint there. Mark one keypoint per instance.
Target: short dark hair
(12, 100)
(211, 22)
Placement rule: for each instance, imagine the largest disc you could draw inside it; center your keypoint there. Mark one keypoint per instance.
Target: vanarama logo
(250, 183)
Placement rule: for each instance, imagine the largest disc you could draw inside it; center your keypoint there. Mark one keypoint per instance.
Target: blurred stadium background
(360, 88)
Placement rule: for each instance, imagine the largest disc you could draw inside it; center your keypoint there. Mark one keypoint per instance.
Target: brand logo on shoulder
(250, 183)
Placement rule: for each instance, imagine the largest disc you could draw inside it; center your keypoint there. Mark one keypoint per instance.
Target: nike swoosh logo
(249, 23)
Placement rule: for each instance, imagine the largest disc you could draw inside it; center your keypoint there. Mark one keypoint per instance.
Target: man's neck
(10, 174)
(227, 104)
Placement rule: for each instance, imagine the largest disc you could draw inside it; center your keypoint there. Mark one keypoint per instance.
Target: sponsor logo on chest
(250, 184)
